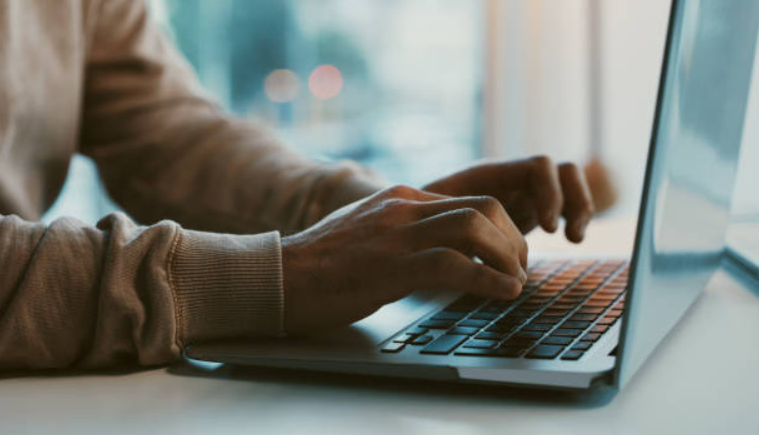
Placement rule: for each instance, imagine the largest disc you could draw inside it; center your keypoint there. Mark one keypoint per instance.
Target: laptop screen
(692, 161)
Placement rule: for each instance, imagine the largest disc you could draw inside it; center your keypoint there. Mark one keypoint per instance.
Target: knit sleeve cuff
(226, 286)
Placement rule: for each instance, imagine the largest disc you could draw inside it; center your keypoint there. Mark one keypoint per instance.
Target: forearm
(78, 296)
(210, 172)
(166, 151)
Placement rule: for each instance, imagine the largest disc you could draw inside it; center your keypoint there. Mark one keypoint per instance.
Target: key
(448, 315)
(416, 331)
(583, 317)
(500, 329)
(573, 300)
(566, 333)
(509, 319)
(471, 351)
(607, 321)
(444, 344)
(528, 334)
(560, 306)
(522, 343)
(482, 315)
(570, 324)
(548, 320)
(572, 355)
(590, 310)
(393, 347)
(422, 339)
(436, 324)
(563, 341)
(545, 351)
(590, 336)
(583, 345)
(481, 344)
(600, 328)
(489, 336)
(461, 330)
(537, 300)
(537, 327)
(509, 351)
(475, 323)
(601, 296)
(596, 303)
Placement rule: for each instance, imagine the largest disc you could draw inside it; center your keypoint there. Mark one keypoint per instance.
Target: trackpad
(363, 335)
(388, 320)
(391, 318)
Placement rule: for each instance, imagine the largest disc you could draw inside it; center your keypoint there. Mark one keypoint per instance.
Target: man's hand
(380, 249)
(533, 192)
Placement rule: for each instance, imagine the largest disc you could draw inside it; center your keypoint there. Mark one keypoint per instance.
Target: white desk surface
(704, 379)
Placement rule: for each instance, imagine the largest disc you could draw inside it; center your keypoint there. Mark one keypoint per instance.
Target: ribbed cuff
(227, 286)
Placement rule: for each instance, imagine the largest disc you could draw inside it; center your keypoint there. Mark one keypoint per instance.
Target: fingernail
(511, 288)
(515, 291)
(522, 276)
(550, 221)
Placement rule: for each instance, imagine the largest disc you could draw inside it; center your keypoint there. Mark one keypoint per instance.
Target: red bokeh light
(325, 82)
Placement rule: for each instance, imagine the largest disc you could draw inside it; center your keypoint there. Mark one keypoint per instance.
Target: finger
(545, 184)
(448, 269)
(396, 204)
(406, 192)
(521, 209)
(578, 201)
(469, 232)
(490, 208)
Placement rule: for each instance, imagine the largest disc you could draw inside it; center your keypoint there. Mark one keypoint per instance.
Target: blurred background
(416, 89)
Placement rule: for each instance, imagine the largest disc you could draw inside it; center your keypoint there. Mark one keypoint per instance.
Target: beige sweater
(96, 77)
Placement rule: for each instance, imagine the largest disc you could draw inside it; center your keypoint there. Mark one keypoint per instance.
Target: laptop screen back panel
(692, 161)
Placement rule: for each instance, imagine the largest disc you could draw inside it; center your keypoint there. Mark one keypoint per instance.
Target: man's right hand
(401, 239)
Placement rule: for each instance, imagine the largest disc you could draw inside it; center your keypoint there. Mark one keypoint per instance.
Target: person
(213, 195)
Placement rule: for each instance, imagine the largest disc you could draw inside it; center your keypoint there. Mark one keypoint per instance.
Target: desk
(704, 379)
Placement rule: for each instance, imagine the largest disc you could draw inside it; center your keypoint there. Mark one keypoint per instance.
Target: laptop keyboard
(564, 309)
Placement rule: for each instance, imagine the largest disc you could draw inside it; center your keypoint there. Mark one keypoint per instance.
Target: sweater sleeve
(79, 296)
(166, 151)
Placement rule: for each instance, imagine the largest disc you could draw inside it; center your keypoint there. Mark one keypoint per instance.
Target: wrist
(347, 183)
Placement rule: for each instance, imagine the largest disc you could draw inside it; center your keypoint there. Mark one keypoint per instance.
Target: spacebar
(444, 344)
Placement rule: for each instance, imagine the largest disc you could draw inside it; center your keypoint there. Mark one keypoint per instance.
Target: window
(393, 84)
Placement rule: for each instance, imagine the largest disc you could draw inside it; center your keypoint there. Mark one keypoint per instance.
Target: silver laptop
(743, 245)
(579, 323)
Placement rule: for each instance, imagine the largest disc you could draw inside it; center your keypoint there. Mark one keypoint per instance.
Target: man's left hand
(534, 192)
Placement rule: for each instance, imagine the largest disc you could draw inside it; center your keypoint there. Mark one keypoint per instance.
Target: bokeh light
(325, 82)
(281, 86)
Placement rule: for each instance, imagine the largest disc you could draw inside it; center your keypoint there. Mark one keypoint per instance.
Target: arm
(166, 151)
(78, 296)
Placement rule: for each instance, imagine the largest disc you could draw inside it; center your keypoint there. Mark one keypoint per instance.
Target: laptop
(743, 245)
(578, 323)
